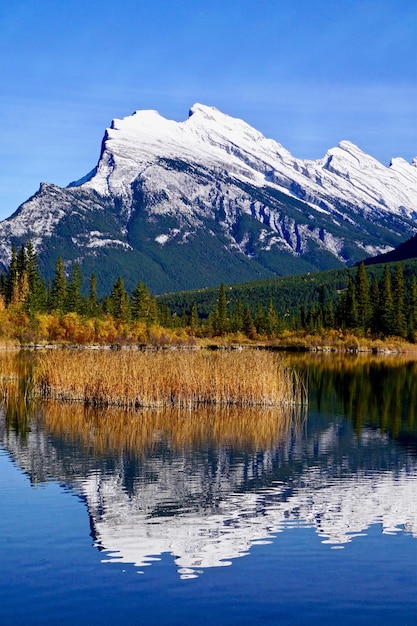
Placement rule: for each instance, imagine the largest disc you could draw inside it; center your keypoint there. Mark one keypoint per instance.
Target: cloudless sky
(308, 73)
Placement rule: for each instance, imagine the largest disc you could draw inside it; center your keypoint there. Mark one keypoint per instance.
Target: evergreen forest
(375, 302)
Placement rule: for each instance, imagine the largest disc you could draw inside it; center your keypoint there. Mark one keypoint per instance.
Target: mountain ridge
(190, 204)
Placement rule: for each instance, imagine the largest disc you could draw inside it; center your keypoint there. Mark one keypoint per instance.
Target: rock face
(191, 204)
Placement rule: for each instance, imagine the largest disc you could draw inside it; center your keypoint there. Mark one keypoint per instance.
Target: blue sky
(308, 73)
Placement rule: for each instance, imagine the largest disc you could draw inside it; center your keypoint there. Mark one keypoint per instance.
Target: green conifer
(363, 301)
(58, 296)
(119, 304)
(74, 299)
(386, 304)
(140, 302)
(221, 311)
(398, 294)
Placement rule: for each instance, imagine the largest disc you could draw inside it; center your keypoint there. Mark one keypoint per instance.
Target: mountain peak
(209, 112)
(210, 199)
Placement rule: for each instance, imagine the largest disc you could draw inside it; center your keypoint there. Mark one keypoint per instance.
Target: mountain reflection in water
(206, 485)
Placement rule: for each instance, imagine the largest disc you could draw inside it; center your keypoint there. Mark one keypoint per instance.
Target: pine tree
(271, 320)
(363, 302)
(3, 286)
(351, 309)
(58, 296)
(165, 316)
(237, 317)
(140, 302)
(92, 302)
(375, 312)
(259, 319)
(153, 314)
(194, 317)
(248, 325)
(312, 319)
(398, 293)
(386, 304)
(347, 312)
(412, 308)
(35, 301)
(21, 260)
(119, 305)
(185, 318)
(22, 289)
(74, 298)
(221, 311)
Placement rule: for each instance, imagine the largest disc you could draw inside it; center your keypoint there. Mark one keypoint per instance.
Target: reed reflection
(112, 431)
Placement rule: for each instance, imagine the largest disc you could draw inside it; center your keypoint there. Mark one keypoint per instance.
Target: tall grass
(167, 379)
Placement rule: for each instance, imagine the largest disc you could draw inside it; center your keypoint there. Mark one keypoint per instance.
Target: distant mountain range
(183, 205)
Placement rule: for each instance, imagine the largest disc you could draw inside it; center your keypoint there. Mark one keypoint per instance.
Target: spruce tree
(74, 298)
(165, 316)
(362, 295)
(259, 319)
(398, 294)
(237, 317)
(119, 301)
(375, 312)
(21, 260)
(140, 302)
(92, 302)
(248, 325)
(58, 296)
(35, 301)
(153, 313)
(328, 316)
(412, 308)
(386, 304)
(351, 308)
(271, 320)
(3, 286)
(194, 317)
(221, 311)
(347, 311)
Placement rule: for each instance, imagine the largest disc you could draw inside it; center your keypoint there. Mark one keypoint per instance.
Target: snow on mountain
(164, 189)
(345, 173)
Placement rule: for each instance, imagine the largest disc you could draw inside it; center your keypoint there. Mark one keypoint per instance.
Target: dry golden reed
(166, 378)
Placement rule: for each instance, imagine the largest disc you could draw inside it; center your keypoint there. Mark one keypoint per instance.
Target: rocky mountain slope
(189, 204)
(406, 250)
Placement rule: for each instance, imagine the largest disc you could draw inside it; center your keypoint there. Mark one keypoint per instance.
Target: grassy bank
(166, 379)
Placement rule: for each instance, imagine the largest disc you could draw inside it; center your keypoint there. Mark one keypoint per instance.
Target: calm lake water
(208, 517)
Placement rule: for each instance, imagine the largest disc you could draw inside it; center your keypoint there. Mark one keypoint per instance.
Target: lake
(217, 516)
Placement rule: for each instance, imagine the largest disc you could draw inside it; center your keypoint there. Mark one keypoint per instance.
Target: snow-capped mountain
(188, 204)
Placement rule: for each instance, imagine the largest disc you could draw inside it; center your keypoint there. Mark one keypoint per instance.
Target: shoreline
(388, 348)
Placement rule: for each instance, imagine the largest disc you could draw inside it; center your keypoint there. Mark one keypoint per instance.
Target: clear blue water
(314, 524)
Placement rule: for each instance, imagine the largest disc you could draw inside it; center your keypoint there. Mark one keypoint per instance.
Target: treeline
(375, 301)
(68, 308)
(385, 307)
